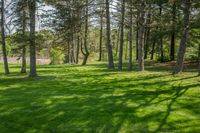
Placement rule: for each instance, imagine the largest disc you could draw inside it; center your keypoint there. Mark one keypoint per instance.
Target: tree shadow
(76, 100)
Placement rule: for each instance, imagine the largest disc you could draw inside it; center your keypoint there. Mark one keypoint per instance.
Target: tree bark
(23, 67)
(172, 47)
(3, 37)
(77, 50)
(32, 11)
(199, 59)
(108, 41)
(117, 44)
(161, 39)
(101, 38)
(141, 36)
(121, 37)
(137, 39)
(153, 49)
(130, 40)
(184, 38)
(86, 55)
(147, 33)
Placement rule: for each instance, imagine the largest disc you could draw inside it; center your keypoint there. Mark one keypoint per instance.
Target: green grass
(92, 99)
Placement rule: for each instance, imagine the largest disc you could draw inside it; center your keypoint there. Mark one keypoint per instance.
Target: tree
(184, 38)
(86, 54)
(3, 38)
(108, 41)
(173, 34)
(21, 22)
(101, 14)
(121, 36)
(130, 39)
(32, 14)
(199, 58)
(161, 52)
(141, 22)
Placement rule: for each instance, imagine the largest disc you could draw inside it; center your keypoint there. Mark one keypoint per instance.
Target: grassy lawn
(92, 99)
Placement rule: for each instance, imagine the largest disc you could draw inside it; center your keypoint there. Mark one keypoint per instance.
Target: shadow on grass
(96, 101)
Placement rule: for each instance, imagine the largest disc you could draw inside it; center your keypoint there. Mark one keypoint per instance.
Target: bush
(56, 56)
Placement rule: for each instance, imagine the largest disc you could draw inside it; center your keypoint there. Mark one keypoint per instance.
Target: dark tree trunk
(146, 48)
(153, 50)
(86, 55)
(32, 11)
(121, 37)
(73, 59)
(77, 50)
(161, 39)
(137, 41)
(67, 53)
(3, 37)
(101, 38)
(172, 48)
(141, 36)
(173, 40)
(108, 41)
(130, 41)
(199, 59)
(23, 67)
(148, 30)
(126, 49)
(161, 51)
(117, 44)
(184, 38)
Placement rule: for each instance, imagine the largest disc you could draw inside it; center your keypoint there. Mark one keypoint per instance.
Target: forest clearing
(99, 66)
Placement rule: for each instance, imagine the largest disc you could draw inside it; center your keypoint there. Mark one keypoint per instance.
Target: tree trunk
(153, 50)
(118, 35)
(77, 50)
(137, 40)
(161, 39)
(141, 36)
(172, 47)
(121, 37)
(147, 34)
(23, 67)
(101, 38)
(32, 11)
(3, 37)
(73, 59)
(86, 55)
(130, 40)
(146, 49)
(184, 38)
(108, 41)
(199, 59)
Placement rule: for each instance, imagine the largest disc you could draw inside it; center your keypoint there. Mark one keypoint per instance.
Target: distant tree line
(114, 30)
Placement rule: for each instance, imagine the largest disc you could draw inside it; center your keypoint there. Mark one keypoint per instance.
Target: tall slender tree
(32, 15)
(3, 38)
(86, 54)
(108, 41)
(199, 59)
(121, 48)
(184, 38)
(130, 39)
(161, 51)
(173, 34)
(101, 34)
(141, 35)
